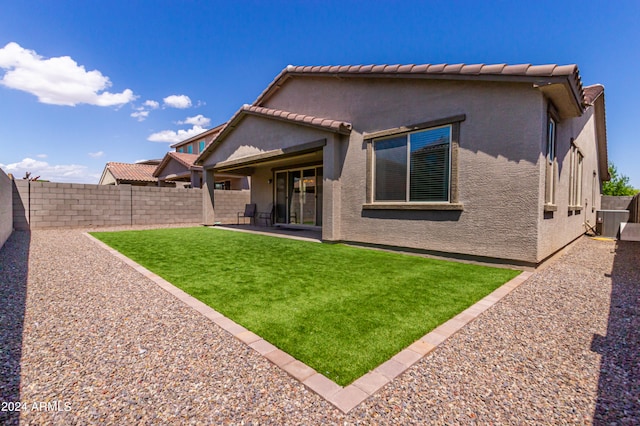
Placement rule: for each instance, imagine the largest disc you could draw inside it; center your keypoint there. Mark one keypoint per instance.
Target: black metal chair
(250, 212)
(268, 215)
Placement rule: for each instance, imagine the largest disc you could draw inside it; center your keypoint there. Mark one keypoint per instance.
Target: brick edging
(348, 397)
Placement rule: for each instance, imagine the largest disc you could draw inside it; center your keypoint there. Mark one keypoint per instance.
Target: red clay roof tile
(132, 172)
(592, 92)
(499, 71)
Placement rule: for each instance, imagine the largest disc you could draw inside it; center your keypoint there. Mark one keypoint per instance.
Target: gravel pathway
(101, 344)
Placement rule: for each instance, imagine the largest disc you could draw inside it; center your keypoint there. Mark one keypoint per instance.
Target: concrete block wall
(227, 204)
(610, 202)
(41, 205)
(6, 207)
(166, 205)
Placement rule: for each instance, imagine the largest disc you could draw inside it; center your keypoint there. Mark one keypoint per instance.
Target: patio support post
(332, 169)
(208, 216)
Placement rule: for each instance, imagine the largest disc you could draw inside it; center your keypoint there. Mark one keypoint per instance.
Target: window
(201, 146)
(413, 167)
(550, 193)
(190, 149)
(575, 178)
(223, 185)
(180, 150)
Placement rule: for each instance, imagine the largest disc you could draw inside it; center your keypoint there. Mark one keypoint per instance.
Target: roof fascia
(235, 122)
(162, 165)
(198, 136)
(601, 134)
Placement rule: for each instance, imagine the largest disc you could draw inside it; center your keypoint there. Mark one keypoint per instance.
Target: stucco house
(495, 162)
(138, 174)
(178, 168)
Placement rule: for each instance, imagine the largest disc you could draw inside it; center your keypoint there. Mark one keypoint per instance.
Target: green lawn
(341, 310)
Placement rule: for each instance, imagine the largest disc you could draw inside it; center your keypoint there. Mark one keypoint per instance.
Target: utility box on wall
(608, 222)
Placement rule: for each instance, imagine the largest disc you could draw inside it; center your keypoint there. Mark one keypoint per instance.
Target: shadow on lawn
(619, 383)
(14, 257)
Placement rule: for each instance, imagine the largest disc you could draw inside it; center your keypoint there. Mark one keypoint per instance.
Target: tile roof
(183, 158)
(331, 125)
(520, 72)
(132, 172)
(325, 123)
(592, 92)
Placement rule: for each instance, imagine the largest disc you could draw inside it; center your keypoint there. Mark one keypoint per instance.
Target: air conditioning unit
(608, 222)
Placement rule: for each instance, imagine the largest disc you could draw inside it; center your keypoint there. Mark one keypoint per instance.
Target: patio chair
(267, 215)
(250, 212)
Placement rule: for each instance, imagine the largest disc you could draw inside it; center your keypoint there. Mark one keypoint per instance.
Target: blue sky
(86, 82)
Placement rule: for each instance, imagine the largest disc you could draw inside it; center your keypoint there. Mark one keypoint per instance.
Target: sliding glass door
(298, 196)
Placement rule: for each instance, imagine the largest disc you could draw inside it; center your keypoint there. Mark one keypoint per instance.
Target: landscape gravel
(88, 340)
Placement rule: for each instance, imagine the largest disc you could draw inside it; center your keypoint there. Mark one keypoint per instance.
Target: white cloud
(198, 120)
(57, 81)
(177, 101)
(172, 136)
(42, 155)
(96, 154)
(73, 173)
(140, 115)
(151, 104)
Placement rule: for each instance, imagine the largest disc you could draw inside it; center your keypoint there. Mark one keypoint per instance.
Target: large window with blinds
(413, 167)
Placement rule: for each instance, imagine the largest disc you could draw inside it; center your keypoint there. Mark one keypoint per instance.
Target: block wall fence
(42, 205)
(6, 207)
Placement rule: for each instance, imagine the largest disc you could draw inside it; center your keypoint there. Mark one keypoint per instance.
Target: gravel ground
(103, 345)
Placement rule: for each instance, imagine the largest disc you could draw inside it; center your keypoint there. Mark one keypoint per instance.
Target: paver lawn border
(348, 397)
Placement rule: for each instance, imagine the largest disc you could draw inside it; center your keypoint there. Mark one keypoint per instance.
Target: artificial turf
(341, 310)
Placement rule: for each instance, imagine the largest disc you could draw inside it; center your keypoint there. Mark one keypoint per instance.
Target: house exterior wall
(498, 166)
(108, 179)
(6, 207)
(173, 167)
(256, 135)
(558, 228)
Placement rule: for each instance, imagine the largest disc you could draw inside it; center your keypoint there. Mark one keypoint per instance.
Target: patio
(300, 233)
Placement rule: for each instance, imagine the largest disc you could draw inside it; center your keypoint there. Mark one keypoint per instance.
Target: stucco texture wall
(256, 135)
(556, 229)
(6, 207)
(498, 171)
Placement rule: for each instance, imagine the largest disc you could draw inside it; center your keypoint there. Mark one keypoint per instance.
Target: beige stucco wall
(107, 179)
(498, 167)
(256, 135)
(172, 167)
(500, 163)
(562, 226)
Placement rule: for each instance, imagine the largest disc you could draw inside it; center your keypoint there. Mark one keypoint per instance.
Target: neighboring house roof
(207, 133)
(546, 77)
(154, 162)
(131, 172)
(336, 126)
(187, 160)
